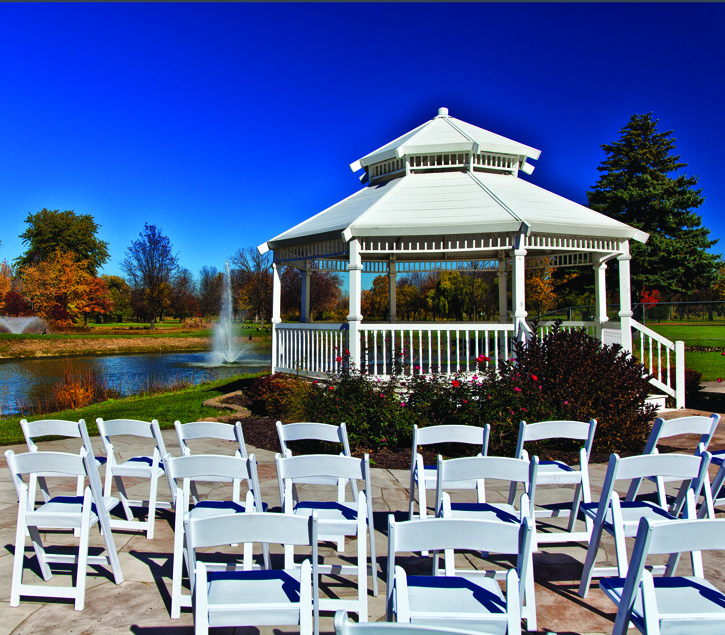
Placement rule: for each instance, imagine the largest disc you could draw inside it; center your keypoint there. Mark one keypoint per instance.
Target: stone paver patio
(141, 604)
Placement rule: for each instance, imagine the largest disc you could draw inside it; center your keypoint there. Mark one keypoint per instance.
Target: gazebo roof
(448, 177)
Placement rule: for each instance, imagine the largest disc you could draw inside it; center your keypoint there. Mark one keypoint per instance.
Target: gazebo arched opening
(448, 196)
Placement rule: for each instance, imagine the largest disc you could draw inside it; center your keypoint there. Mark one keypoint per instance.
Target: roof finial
(443, 112)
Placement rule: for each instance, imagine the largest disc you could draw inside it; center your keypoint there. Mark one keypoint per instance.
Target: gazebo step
(658, 400)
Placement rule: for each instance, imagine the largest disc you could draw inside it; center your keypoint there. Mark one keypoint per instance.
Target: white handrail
(655, 352)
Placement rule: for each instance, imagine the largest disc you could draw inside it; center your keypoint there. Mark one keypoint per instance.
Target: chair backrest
(691, 470)
(62, 464)
(213, 467)
(661, 429)
(54, 428)
(131, 427)
(186, 432)
(544, 430)
(477, 468)
(453, 433)
(262, 527)
(314, 432)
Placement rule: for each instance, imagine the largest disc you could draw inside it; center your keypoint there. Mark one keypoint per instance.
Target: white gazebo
(448, 196)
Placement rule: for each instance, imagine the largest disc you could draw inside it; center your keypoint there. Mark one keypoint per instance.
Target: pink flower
(524, 409)
(566, 403)
(719, 379)
(482, 358)
(517, 389)
(314, 382)
(402, 404)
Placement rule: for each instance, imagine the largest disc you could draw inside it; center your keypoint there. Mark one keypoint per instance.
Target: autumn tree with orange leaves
(62, 291)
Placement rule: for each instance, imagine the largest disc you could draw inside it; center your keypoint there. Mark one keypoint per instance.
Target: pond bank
(59, 347)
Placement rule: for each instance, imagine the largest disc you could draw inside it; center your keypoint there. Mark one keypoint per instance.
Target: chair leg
(81, 570)
(150, 520)
(592, 551)
(123, 496)
(177, 568)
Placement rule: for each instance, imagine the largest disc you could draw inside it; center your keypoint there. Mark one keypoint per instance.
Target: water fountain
(225, 345)
(17, 325)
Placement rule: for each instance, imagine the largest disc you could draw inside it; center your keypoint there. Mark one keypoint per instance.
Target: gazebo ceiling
(428, 184)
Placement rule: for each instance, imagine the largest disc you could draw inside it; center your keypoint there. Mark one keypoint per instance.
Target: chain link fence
(660, 313)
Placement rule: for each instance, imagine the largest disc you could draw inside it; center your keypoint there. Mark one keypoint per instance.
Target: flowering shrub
(375, 413)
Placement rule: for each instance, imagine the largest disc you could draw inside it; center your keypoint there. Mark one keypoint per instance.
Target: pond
(24, 381)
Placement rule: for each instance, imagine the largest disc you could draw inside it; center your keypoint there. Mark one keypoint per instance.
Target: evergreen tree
(641, 185)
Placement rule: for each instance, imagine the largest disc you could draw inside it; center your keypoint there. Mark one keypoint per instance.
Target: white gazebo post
(355, 268)
(625, 299)
(502, 291)
(305, 294)
(518, 287)
(600, 292)
(276, 310)
(392, 290)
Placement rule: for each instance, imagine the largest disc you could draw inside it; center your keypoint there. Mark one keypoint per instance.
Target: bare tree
(150, 264)
(210, 290)
(255, 282)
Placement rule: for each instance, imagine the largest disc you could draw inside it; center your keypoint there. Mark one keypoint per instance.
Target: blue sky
(225, 124)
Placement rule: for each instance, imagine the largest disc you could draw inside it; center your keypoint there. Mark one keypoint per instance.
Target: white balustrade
(657, 354)
(448, 348)
(309, 349)
(445, 348)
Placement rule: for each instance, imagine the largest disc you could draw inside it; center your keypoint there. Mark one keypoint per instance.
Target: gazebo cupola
(445, 144)
(447, 195)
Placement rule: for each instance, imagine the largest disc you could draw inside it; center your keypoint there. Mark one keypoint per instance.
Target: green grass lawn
(184, 405)
(710, 364)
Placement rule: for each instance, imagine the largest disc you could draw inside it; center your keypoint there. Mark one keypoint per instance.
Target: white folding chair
(423, 477)
(467, 600)
(336, 519)
(559, 473)
(254, 598)
(195, 430)
(664, 429)
(512, 471)
(184, 472)
(143, 466)
(344, 626)
(620, 519)
(35, 430)
(59, 512)
(670, 604)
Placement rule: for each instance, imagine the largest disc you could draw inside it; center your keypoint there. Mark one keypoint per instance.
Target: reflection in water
(24, 382)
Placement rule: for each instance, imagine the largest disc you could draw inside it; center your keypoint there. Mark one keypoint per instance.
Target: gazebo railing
(308, 349)
(449, 347)
(435, 347)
